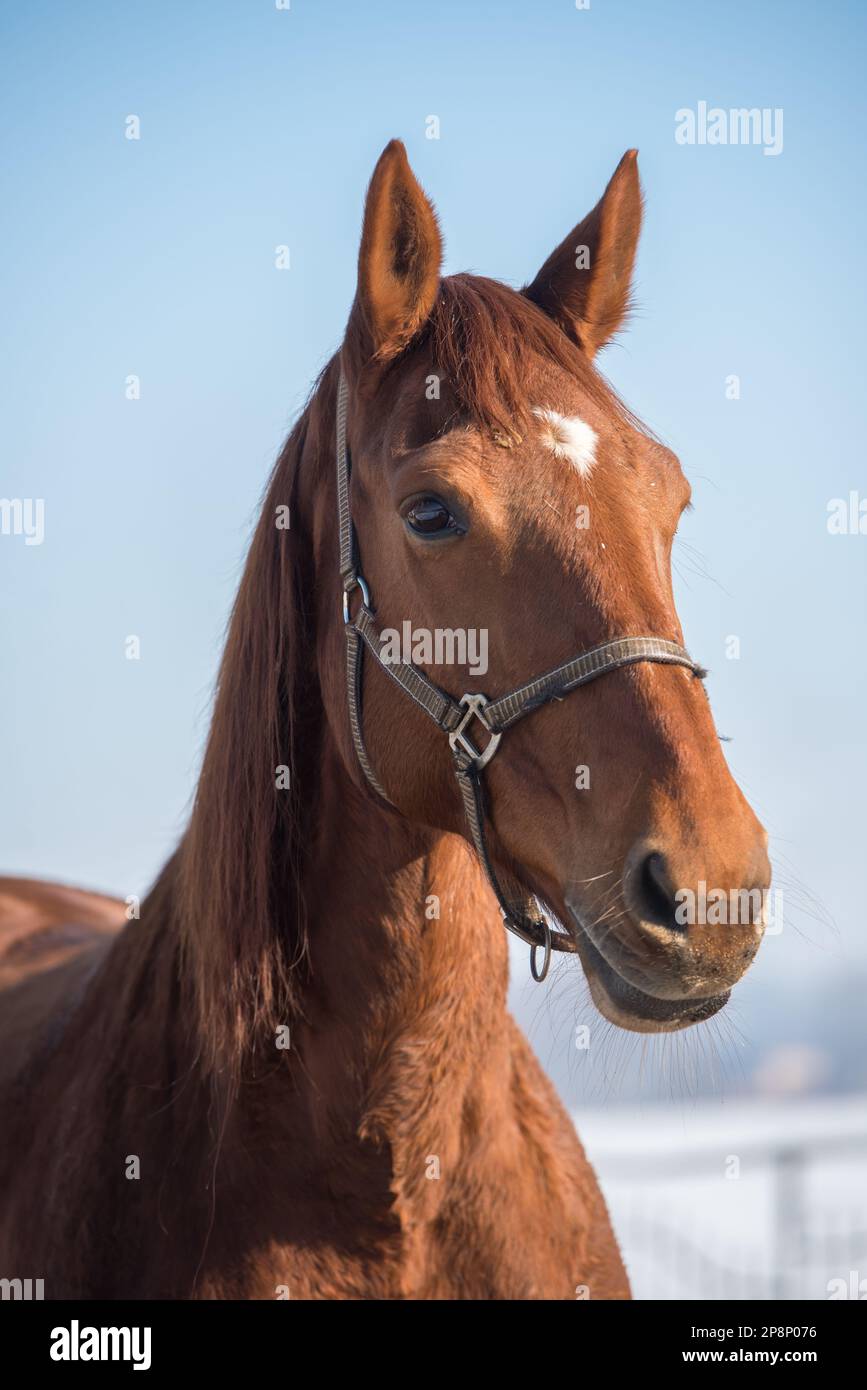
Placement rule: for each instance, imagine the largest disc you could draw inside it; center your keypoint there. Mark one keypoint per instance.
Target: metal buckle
(349, 587)
(475, 707)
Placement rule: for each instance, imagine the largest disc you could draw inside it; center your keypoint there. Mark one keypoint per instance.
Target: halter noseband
(521, 913)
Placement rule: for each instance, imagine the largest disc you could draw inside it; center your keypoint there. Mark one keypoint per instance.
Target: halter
(458, 718)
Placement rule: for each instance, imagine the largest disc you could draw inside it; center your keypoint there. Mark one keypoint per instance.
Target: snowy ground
(762, 1199)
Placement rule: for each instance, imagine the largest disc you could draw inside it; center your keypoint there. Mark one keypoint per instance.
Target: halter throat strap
(463, 720)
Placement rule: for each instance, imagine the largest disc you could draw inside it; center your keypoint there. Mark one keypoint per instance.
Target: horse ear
(585, 284)
(399, 259)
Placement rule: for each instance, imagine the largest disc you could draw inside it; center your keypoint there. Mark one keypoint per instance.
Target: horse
(294, 1073)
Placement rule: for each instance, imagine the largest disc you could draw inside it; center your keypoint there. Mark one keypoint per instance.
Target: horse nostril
(655, 892)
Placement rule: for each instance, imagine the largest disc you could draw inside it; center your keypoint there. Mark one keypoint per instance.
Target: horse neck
(408, 965)
(392, 965)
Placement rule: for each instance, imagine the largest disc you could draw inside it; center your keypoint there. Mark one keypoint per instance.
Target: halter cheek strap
(460, 719)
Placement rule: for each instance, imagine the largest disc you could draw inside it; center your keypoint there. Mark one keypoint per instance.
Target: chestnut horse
(295, 1075)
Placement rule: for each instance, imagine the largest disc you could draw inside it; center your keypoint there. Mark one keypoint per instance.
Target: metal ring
(539, 975)
(356, 583)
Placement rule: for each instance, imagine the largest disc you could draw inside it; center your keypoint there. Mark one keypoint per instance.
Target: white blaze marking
(568, 437)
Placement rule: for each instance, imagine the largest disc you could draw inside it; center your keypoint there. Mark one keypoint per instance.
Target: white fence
(758, 1202)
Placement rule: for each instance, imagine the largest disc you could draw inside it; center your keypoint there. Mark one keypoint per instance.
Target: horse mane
(484, 336)
(235, 884)
(241, 913)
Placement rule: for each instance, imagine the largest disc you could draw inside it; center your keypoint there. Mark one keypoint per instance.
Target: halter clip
(475, 709)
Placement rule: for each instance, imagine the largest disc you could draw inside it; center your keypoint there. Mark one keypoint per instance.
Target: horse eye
(428, 516)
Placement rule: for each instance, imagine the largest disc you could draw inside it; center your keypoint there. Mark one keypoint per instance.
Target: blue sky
(156, 258)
